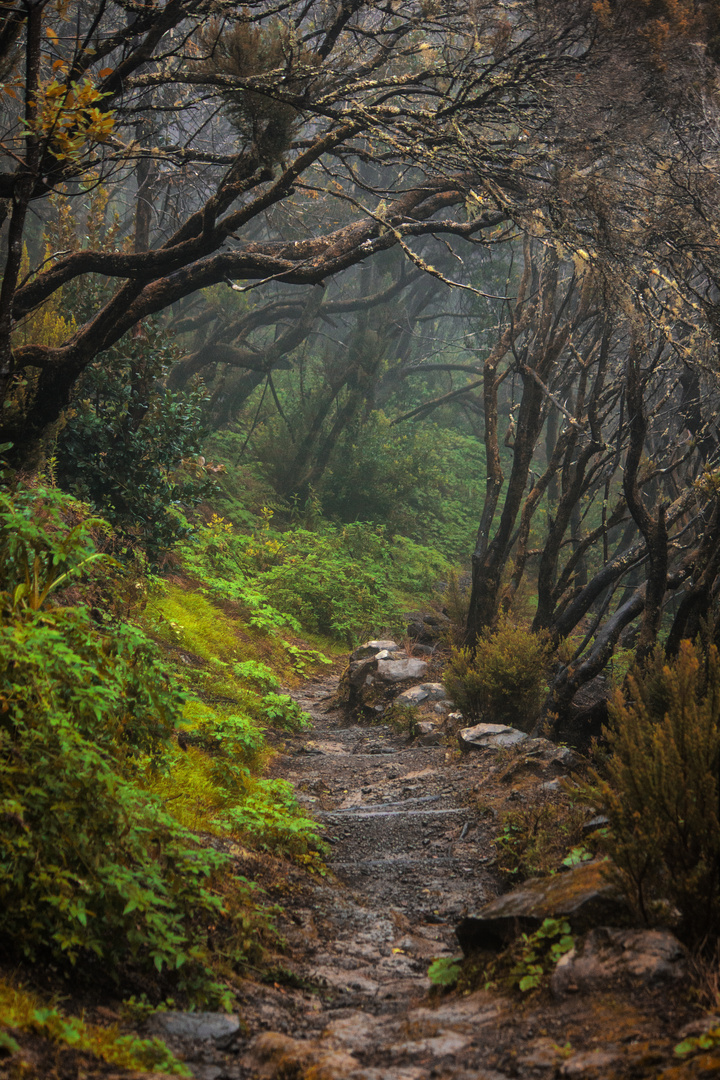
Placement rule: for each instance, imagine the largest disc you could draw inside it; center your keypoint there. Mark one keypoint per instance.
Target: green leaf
(445, 971)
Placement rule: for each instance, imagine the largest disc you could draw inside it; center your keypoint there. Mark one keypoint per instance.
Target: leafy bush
(91, 867)
(89, 864)
(45, 539)
(281, 711)
(335, 582)
(270, 817)
(660, 788)
(501, 680)
(132, 447)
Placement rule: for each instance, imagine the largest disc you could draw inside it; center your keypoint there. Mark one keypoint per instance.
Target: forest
(325, 323)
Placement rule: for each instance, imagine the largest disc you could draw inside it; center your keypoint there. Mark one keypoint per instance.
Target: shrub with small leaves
(660, 788)
(502, 679)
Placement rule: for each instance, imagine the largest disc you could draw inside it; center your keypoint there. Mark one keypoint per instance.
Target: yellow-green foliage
(501, 680)
(22, 1011)
(660, 789)
(190, 621)
(213, 769)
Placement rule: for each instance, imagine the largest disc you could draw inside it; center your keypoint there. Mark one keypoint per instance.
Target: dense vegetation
(305, 315)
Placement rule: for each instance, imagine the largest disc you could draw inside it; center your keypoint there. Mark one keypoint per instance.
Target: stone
(359, 671)
(590, 1063)
(597, 822)
(540, 757)
(582, 895)
(490, 736)
(219, 1028)
(415, 695)
(392, 671)
(274, 1055)
(427, 628)
(426, 733)
(607, 954)
(372, 648)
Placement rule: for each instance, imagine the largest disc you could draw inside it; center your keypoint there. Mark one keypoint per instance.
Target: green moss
(22, 1011)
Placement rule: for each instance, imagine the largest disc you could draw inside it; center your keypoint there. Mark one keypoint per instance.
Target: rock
(196, 1026)
(361, 672)
(590, 1063)
(583, 895)
(427, 628)
(426, 733)
(495, 736)
(415, 695)
(274, 1056)
(540, 757)
(606, 954)
(392, 671)
(597, 822)
(372, 648)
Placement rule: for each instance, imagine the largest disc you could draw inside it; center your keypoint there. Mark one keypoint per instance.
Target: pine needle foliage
(660, 790)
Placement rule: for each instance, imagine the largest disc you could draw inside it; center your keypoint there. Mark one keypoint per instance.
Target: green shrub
(335, 582)
(269, 816)
(90, 866)
(501, 680)
(660, 789)
(131, 446)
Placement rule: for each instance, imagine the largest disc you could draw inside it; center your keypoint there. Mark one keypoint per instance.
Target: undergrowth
(22, 1011)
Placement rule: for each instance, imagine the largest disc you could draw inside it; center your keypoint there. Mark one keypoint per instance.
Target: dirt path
(409, 855)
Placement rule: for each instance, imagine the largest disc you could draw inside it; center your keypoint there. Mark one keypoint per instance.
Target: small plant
(660, 788)
(254, 671)
(531, 957)
(281, 711)
(709, 1040)
(301, 658)
(535, 837)
(445, 971)
(24, 1012)
(501, 680)
(269, 817)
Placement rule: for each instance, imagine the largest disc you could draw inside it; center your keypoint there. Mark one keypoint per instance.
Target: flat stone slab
(425, 692)
(582, 895)
(392, 671)
(606, 954)
(196, 1026)
(497, 736)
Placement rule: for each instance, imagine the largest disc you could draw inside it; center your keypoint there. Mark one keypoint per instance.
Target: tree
(218, 113)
